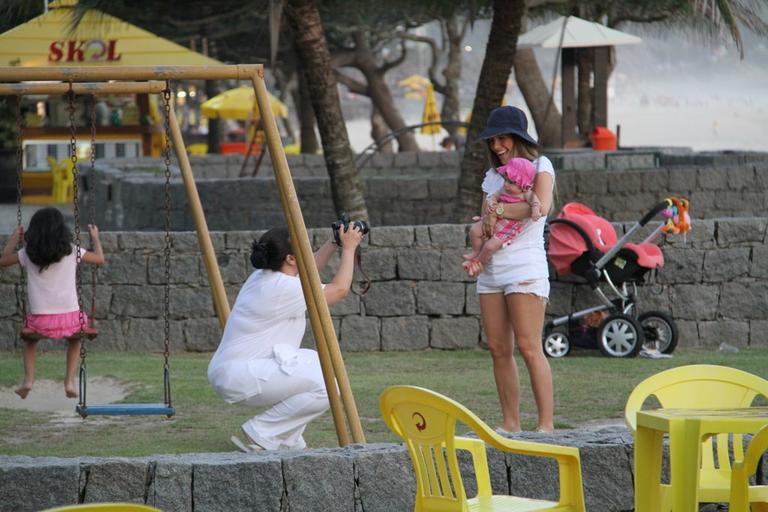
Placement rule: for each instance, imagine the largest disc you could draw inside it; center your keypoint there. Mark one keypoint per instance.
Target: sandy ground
(48, 396)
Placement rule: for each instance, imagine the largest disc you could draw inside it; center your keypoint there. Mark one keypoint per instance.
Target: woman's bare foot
(24, 390)
(70, 390)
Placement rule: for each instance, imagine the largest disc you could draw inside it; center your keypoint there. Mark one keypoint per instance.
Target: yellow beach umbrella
(431, 114)
(415, 82)
(414, 95)
(240, 103)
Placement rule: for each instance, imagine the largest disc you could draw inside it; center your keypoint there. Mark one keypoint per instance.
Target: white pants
(296, 400)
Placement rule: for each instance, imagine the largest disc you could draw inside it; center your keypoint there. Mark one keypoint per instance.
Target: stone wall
(399, 189)
(370, 478)
(420, 188)
(357, 478)
(714, 283)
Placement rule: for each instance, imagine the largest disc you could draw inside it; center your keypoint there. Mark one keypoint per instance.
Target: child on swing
(518, 176)
(51, 264)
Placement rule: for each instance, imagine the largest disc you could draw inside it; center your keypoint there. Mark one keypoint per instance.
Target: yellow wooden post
(320, 341)
(125, 73)
(324, 356)
(220, 301)
(153, 86)
(310, 278)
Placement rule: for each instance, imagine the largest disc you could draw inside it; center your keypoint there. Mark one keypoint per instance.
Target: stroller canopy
(570, 241)
(566, 244)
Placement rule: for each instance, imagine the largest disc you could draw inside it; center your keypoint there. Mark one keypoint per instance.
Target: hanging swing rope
(167, 248)
(92, 209)
(78, 272)
(165, 408)
(22, 296)
(89, 332)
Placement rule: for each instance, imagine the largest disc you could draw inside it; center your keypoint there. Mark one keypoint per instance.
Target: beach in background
(671, 90)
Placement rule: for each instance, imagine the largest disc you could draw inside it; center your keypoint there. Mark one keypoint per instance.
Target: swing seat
(126, 410)
(27, 334)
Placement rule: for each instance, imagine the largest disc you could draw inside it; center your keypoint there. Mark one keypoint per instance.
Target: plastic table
(686, 429)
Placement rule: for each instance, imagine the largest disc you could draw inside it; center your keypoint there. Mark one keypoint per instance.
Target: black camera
(345, 223)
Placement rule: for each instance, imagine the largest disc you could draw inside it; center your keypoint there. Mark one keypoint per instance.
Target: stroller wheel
(660, 331)
(619, 336)
(557, 344)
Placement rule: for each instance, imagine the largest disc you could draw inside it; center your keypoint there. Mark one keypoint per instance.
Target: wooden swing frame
(133, 79)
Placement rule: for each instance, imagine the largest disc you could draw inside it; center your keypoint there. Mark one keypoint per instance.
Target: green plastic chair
(426, 421)
(701, 386)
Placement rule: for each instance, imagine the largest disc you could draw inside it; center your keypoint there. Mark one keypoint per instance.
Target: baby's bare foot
(24, 390)
(70, 390)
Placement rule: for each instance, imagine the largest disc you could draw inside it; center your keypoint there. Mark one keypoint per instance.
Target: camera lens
(344, 223)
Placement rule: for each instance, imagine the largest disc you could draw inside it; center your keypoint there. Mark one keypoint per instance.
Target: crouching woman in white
(259, 362)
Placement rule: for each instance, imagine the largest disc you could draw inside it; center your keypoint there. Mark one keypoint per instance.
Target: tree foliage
(713, 19)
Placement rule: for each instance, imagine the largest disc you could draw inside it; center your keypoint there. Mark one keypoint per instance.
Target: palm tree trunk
(450, 110)
(545, 114)
(378, 90)
(379, 130)
(309, 142)
(314, 57)
(492, 84)
(214, 126)
(382, 99)
(584, 105)
(283, 81)
(537, 96)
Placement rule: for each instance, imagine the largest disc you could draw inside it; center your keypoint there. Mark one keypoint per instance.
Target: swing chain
(92, 203)
(76, 207)
(19, 191)
(19, 160)
(167, 249)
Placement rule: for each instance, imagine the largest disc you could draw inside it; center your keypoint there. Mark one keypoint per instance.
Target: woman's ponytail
(269, 251)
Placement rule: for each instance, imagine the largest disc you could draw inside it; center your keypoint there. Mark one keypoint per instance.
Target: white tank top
(524, 258)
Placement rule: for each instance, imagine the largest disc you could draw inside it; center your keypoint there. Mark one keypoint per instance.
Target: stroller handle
(660, 207)
(663, 205)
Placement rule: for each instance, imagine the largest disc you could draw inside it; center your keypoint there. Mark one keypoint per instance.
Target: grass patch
(588, 388)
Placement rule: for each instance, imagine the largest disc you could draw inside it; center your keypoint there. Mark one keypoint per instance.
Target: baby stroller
(586, 245)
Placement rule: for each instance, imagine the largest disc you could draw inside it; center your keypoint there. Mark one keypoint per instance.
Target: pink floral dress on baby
(521, 172)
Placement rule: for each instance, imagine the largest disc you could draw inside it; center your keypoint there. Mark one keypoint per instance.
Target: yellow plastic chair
(701, 386)
(426, 421)
(105, 507)
(741, 492)
(63, 180)
(198, 149)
